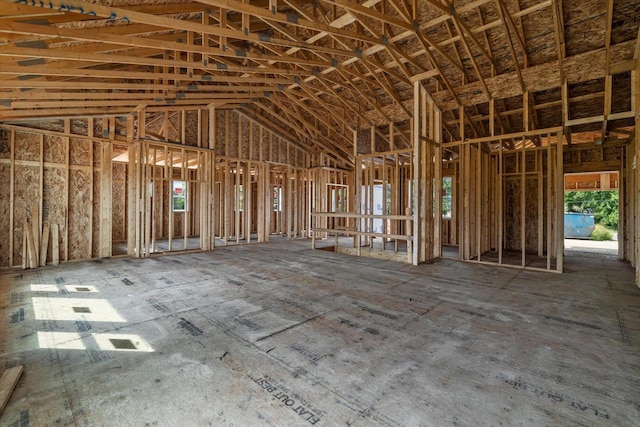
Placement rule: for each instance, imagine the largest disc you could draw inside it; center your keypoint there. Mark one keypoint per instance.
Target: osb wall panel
(245, 140)
(612, 153)
(282, 149)
(512, 214)
(119, 211)
(54, 149)
(530, 161)
(79, 219)
(166, 197)
(80, 152)
(121, 127)
(364, 141)
(178, 224)
(157, 209)
(266, 137)
(172, 132)
(509, 163)
(531, 214)
(27, 146)
(191, 128)
(221, 131)
(98, 130)
(95, 229)
(594, 155)
(159, 204)
(119, 201)
(5, 207)
(233, 134)
(5, 144)
(255, 141)
(79, 127)
(598, 154)
(274, 150)
(176, 173)
(119, 171)
(26, 194)
(54, 202)
(545, 195)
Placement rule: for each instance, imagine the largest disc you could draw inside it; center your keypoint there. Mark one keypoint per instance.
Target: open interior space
(319, 212)
(271, 335)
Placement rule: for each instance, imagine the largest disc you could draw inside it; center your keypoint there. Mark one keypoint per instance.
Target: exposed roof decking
(317, 69)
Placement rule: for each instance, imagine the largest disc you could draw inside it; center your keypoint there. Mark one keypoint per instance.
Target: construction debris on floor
(280, 335)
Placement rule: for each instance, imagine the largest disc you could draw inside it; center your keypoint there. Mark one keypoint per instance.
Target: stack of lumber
(35, 242)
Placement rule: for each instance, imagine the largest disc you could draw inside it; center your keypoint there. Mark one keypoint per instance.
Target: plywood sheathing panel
(79, 208)
(592, 155)
(79, 152)
(550, 116)
(26, 194)
(165, 195)
(27, 147)
(512, 213)
(98, 130)
(172, 131)
(191, 129)
(53, 205)
(611, 153)
(121, 127)
(541, 48)
(578, 110)
(255, 141)
(233, 135)
(621, 91)
(266, 138)
(584, 66)
(5, 144)
(282, 151)
(221, 131)
(274, 149)
(79, 127)
(54, 149)
(178, 225)
(176, 172)
(244, 136)
(300, 159)
(584, 26)
(95, 229)
(159, 207)
(5, 209)
(625, 20)
(119, 202)
(531, 214)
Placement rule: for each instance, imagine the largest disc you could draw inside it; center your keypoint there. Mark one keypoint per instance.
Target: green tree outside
(602, 204)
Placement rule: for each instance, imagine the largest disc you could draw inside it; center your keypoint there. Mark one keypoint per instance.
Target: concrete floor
(606, 247)
(278, 334)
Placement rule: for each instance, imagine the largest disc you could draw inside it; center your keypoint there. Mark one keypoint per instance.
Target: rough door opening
(591, 213)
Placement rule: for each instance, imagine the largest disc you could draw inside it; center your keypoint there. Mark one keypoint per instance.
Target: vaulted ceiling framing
(316, 70)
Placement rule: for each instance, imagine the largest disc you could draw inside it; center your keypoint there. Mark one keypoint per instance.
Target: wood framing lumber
(44, 246)
(8, 383)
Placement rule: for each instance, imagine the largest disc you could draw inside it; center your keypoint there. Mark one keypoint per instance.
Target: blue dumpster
(578, 225)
